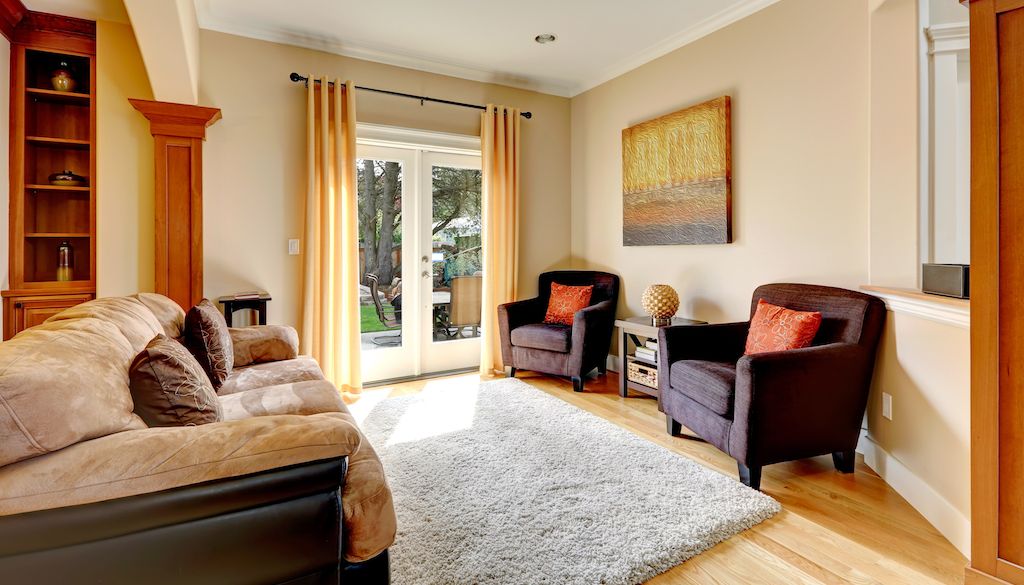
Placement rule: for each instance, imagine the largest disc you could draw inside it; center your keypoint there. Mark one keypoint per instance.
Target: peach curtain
(330, 308)
(499, 137)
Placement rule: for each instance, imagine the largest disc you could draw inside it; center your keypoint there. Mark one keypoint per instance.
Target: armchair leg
(512, 372)
(673, 427)
(577, 384)
(844, 460)
(602, 368)
(750, 476)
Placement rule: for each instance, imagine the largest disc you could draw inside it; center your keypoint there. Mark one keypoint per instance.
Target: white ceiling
(473, 39)
(486, 40)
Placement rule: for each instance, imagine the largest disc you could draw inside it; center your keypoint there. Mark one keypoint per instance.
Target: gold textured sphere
(660, 301)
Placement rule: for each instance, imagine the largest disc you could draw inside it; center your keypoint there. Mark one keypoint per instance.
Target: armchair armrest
(591, 335)
(800, 403)
(516, 314)
(264, 343)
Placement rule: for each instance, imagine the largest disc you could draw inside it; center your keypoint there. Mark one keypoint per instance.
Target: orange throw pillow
(775, 328)
(565, 301)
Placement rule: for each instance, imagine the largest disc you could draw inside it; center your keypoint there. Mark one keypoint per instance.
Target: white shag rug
(499, 482)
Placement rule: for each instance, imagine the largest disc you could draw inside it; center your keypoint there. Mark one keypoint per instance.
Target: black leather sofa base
(278, 526)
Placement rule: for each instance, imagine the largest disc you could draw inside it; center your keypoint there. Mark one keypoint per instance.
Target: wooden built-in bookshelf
(51, 131)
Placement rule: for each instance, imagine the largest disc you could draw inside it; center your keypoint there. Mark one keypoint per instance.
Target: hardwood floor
(833, 528)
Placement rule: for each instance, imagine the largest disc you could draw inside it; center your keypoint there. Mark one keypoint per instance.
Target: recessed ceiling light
(545, 38)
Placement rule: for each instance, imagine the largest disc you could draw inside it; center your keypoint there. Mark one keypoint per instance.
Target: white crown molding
(699, 30)
(386, 57)
(957, 315)
(948, 38)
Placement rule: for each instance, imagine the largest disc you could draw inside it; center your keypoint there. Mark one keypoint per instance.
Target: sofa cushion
(168, 313)
(309, 397)
(711, 384)
(132, 318)
(170, 388)
(546, 336)
(263, 343)
(208, 338)
(154, 459)
(63, 382)
(299, 369)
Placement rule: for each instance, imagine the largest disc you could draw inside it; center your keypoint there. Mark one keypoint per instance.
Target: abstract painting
(676, 178)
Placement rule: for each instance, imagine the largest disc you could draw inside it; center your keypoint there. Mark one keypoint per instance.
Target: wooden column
(178, 133)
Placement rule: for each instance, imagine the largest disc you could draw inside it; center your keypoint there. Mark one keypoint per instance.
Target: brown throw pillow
(169, 387)
(208, 338)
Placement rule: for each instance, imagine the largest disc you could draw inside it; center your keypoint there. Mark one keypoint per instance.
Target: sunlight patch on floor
(448, 406)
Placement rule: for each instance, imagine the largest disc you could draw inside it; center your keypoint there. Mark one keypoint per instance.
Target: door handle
(425, 259)
(424, 274)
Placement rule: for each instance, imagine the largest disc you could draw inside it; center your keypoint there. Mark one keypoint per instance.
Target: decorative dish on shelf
(67, 179)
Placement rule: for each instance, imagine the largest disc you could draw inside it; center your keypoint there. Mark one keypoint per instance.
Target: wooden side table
(258, 304)
(637, 330)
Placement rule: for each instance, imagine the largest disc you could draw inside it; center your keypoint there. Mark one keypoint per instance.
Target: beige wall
(797, 73)
(825, 167)
(924, 451)
(125, 207)
(894, 35)
(254, 158)
(925, 448)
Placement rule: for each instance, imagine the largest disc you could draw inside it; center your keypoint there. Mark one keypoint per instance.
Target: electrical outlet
(887, 405)
(293, 247)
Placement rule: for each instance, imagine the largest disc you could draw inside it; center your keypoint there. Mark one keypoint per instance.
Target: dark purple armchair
(527, 343)
(779, 406)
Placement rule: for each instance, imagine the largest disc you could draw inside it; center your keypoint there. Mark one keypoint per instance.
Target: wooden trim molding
(178, 133)
(11, 13)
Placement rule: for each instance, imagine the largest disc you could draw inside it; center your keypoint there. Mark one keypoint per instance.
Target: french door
(420, 235)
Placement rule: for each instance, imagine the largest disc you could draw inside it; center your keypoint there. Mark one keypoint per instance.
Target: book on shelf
(645, 354)
(651, 344)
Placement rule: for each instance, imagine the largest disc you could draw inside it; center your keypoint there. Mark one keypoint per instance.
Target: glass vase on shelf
(65, 262)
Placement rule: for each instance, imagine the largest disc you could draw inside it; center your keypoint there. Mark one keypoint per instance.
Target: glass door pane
(380, 252)
(455, 237)
(456, 232)
(384, 301)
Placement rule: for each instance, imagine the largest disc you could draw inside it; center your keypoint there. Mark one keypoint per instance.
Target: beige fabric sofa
(69, 439)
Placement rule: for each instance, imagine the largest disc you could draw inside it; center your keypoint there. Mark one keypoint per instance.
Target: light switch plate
(293, 247)
(887, 405)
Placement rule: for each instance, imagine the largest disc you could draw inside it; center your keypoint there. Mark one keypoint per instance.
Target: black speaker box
(948, 280)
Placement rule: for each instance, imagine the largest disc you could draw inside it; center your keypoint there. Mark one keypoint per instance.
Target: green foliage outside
(368, 321)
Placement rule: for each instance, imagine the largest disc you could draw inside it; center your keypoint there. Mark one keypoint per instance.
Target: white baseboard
(945, 517)
(613, 363)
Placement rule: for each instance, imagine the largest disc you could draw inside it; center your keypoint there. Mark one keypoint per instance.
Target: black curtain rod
(297, 78)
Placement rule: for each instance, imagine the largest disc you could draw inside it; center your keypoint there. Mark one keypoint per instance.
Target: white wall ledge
(949, 311)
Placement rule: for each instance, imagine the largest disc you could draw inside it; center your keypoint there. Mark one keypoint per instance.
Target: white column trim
(947, 38)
